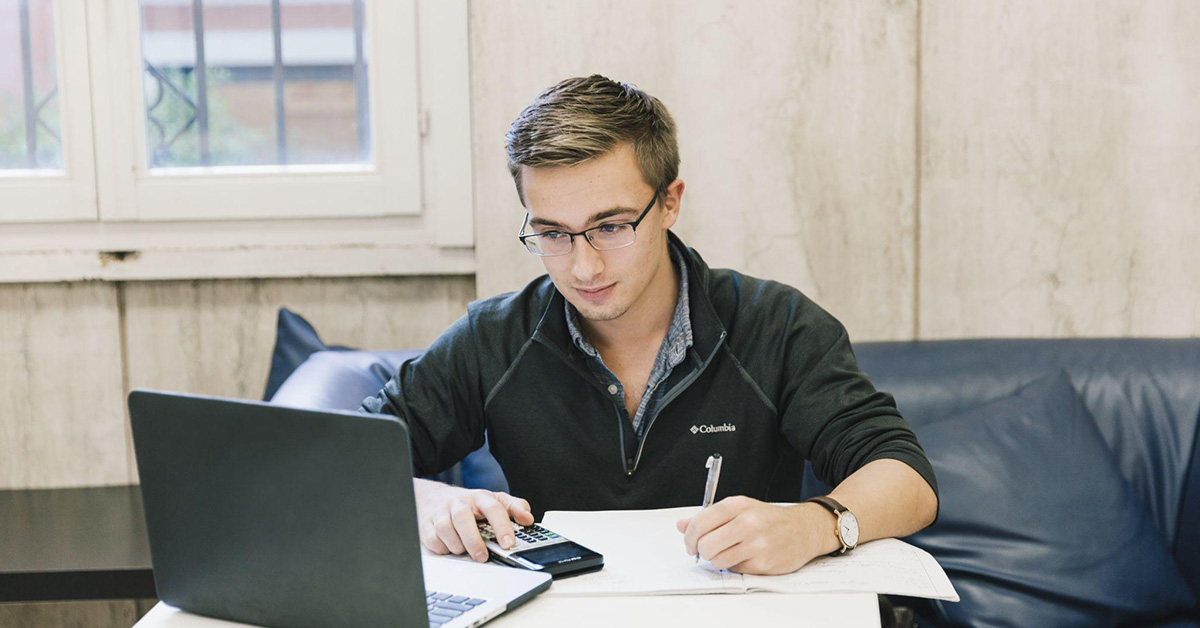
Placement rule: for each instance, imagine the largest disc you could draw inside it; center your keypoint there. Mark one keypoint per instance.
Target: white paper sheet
(644, 554)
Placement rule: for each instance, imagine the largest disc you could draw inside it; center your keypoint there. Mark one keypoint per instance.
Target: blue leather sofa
(1081, 509)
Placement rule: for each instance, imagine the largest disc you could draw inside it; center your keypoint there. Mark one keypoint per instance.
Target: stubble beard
(601, 313)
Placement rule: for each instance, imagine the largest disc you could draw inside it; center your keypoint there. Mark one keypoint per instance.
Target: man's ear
(672, 202)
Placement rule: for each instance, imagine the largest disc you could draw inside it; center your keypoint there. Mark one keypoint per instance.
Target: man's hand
(447, 517)
(749, 536)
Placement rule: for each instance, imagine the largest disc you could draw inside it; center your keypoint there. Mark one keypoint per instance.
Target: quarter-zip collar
(708, 333)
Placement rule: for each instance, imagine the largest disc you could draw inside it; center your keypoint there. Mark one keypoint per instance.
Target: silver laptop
(292, 518)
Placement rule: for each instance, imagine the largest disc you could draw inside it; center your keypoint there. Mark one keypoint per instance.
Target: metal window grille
(163, 139)
(33, 108)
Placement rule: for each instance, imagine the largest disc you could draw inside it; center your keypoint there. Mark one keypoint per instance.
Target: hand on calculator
(449, 518)
(527, 536)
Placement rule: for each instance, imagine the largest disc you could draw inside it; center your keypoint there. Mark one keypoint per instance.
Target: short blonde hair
(584, 117)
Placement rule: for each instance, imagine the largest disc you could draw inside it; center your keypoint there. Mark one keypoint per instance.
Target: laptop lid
(280, 516)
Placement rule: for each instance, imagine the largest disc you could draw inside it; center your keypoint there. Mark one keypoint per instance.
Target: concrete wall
(70, 353)
(933, 169)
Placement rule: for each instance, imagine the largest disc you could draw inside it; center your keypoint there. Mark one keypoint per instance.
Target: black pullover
(769, 381)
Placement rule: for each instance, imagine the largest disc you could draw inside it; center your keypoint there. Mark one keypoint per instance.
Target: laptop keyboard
(444, 607)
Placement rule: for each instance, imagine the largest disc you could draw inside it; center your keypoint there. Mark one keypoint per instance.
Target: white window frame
(409, 213)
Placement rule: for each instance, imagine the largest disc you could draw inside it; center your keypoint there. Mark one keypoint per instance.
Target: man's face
(602, 285)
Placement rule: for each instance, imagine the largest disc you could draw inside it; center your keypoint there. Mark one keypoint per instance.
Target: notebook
(644, 555)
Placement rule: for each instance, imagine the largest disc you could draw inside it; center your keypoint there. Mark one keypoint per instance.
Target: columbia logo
(711, 429)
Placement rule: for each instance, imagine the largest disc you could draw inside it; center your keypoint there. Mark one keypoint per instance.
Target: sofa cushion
(339, 380)
(1141, 391)
(1037, 525)
(295, 340)
(306, 373)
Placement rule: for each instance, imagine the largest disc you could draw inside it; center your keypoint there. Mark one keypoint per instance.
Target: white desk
(765, 609)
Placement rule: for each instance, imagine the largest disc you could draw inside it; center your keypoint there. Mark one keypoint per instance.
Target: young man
(607, 383)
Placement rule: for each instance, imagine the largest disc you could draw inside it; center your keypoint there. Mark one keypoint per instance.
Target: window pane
(255, 82)
(30, 127)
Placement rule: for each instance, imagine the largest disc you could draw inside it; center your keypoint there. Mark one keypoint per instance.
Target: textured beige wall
(797, 128)
(70, 352)
(1060, 174)
(217, 337)
(61, 407)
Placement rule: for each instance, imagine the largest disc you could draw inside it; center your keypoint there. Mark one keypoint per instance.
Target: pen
(710, 485)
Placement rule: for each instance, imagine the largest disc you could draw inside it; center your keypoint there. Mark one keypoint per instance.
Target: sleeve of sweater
(830, 412)
(438, 395)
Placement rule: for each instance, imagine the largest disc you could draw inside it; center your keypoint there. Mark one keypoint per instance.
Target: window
(255, 82)
(205, 135)
(198, 138)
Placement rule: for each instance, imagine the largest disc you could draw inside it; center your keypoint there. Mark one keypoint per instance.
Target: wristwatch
(846, 528)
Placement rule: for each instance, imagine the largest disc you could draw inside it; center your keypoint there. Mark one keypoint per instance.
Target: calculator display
(559, 552)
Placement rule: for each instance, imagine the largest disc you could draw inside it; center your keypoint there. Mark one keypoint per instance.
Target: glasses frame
(522, 236)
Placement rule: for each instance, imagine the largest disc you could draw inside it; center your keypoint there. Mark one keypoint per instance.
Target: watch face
(848, 529)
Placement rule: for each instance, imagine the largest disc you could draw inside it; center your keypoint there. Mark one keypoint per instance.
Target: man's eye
(552, 235)
(608, 228)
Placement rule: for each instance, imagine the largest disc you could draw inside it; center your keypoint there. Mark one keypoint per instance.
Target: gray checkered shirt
(670, 354)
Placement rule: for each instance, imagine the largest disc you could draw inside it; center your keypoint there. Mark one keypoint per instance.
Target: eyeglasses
(602, 238)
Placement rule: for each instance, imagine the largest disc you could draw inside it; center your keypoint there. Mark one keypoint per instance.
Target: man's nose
(586, 263)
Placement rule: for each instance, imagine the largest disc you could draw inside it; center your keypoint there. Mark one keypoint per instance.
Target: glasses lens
(607, 237)
(550, 243)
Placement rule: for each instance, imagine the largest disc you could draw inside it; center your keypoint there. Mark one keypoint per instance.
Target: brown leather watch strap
(830, 503)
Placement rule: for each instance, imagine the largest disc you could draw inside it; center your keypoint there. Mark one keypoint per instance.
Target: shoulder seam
(750, 380)
(507, 373)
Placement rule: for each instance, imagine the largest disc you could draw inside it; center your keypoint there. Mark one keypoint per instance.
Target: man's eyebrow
(594, 218)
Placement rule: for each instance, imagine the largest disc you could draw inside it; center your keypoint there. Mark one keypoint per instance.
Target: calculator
(539, 549)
